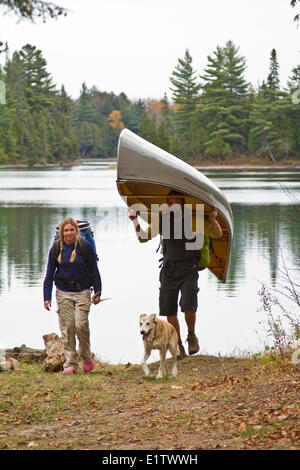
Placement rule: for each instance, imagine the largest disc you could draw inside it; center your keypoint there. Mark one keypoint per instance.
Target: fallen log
(23, 353)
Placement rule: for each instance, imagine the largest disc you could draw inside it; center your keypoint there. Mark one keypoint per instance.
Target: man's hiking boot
(182, 354)
(193, 343)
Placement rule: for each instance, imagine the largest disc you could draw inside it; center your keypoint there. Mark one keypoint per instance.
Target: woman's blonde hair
(66, 221)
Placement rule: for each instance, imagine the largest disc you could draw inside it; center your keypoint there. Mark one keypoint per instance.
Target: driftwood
(24, 354)
(9, 364)
(52, 358)
(55, 357)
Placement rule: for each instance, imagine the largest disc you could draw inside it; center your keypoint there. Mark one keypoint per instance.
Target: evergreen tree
(199, 135)
(162, 139)
(86, 111)
(224, 105)
(147, 128)
(264, 138)
(136, 111)
(32, 9)
(167, 117)
(176, 147)
(185, 93)
(271, 88)
(39, 90)
(8, 147)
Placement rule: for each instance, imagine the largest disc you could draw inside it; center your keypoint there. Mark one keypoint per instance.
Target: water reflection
(26, 234)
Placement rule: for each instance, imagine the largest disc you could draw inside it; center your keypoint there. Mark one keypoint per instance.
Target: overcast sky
(133, 45)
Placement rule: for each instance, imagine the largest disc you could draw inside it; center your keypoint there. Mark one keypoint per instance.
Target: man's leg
(168, 298)
(189, 304)
(190, 319)
(174, 321)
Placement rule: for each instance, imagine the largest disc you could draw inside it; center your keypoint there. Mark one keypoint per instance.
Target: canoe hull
(146, 174)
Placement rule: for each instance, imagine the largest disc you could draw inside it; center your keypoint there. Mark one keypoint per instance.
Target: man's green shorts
(175, 277)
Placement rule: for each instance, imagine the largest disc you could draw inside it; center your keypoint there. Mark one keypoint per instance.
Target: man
(180, 270)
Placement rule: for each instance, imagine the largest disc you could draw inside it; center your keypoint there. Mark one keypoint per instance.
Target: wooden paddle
(91, 302)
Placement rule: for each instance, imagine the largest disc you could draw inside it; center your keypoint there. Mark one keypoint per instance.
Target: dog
(158, 334)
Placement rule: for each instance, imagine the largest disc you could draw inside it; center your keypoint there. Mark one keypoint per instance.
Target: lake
(32, 204)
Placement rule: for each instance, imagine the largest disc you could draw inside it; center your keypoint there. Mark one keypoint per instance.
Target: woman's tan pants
(73, 321)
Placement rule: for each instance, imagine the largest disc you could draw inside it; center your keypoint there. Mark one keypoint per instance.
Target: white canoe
(146, 174)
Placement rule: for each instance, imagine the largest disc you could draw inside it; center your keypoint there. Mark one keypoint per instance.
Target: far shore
(113, 162)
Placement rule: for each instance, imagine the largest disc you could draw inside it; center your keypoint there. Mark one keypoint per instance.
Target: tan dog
(159, 334)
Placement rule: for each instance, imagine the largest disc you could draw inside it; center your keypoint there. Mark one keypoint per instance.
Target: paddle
(91, 302)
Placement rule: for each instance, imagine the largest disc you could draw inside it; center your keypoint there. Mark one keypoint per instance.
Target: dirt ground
(214, 403)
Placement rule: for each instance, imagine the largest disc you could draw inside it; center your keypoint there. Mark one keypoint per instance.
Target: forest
(215, 115)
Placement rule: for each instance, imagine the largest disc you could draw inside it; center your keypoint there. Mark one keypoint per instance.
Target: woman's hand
(96, 298)
(47, 304)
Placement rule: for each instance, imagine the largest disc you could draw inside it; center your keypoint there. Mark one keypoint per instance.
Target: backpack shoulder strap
(82, 244)
(56, 249)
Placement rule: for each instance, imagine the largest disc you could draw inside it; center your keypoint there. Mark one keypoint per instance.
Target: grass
(227, 402)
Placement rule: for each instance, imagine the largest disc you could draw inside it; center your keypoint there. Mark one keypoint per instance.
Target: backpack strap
(212, 249)
(56, 249)
(82, 245)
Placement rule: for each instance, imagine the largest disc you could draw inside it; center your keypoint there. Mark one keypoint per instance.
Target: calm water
(33, 202)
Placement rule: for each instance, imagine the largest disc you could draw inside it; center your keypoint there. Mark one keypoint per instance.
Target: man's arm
(143, 236)
(215, 226)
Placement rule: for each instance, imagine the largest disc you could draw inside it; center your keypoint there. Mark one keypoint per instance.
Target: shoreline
(231, 167)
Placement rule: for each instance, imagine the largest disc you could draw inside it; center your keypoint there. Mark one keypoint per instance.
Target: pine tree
(86, 112)
(40, 91)
(176, 147)
(167, 117)
(199, 135)
(32, 9)
(162, 139)
(272, 87)
(136, 110)
(265, 138)
(8, 148)
(185, 93)
(224, 106)
(147, 128)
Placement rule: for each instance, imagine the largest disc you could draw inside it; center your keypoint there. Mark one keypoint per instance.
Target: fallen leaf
(242, 427)
(32, 444)
(281, 417)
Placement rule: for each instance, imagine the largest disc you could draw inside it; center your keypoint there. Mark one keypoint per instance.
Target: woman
(73, 279)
